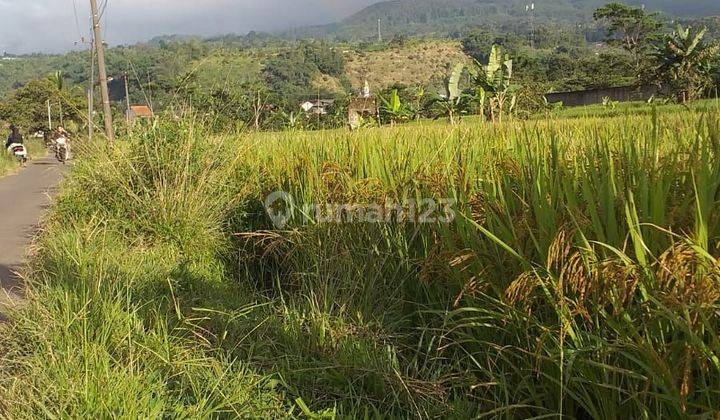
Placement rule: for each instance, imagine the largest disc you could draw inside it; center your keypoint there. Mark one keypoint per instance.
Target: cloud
(56, 25)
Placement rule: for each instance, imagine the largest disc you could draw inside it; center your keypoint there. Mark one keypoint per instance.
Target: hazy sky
(50, 25)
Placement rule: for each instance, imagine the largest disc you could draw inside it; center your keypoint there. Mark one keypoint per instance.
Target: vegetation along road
(431, 209)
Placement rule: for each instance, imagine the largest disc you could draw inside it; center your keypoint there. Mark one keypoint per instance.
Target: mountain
(445, 17)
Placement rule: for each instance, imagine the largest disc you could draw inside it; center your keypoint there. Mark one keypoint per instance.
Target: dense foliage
(28, 106)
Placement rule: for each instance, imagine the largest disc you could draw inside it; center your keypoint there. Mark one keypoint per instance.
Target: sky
(52, 26)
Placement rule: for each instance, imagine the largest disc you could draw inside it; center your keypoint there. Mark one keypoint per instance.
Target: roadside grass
(8, 164)
(579, 277)
(103, 334)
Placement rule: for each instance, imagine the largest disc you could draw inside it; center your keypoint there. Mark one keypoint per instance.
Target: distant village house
(318, 106)
(138, 112)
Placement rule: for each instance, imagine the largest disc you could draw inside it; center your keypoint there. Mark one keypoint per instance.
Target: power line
(77, 20)
(140, 83)
(103, 14)
(103, 6)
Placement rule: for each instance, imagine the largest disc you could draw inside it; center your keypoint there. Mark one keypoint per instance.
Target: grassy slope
(161, 288)
(417, 62)
(223, 68)
(409, 65)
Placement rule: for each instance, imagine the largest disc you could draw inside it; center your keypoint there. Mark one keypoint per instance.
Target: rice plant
(578, 278)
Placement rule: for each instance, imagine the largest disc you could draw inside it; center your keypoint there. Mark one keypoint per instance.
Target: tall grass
(579, 278)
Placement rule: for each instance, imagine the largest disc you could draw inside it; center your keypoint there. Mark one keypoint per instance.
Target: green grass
(8, 163)
(579, 278)
(629, 109)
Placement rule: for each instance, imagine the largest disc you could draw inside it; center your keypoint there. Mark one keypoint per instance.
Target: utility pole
(103, 72)
(379, 31)
(49, 109)
(127, 100)
(531, 9)
(91, 92)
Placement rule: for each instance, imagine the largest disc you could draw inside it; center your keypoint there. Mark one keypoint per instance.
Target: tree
(493, 84)
(478, 43)
(631, 27)
(327, 59)
(393, 108)
(58, 80)
(685, 63)
(259, 107)
(27, 107)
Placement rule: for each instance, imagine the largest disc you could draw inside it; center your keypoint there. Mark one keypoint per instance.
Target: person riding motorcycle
(15, 145)
(60, 140)
(14, 138)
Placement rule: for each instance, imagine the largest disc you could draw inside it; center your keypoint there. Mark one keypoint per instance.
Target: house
(317, 106)
(8, 57)
(138, 111)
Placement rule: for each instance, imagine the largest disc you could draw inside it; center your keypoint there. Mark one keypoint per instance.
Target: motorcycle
(19, 151)
(61, 150)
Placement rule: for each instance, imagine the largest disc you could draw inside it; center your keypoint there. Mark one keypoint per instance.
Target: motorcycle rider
(59, 140)
(14, 138)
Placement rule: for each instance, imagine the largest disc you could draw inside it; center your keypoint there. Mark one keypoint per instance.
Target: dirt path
(24, 198)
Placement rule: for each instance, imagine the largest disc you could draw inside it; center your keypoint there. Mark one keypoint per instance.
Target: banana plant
(292, 121)
(393, 109)
(685, 63)
(453, 101)
(493, 85)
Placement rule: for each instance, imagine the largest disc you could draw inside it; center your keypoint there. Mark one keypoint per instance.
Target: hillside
(408, 65)
(414, 17)
(415, 62)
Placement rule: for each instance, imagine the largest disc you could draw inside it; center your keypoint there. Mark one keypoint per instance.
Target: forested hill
(414, 17)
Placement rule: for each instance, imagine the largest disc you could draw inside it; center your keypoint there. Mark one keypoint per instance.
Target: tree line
(257, 81)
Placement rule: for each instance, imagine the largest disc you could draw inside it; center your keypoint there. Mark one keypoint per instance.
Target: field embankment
(578, 275)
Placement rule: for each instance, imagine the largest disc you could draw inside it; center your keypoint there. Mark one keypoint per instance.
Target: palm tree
(685, 63)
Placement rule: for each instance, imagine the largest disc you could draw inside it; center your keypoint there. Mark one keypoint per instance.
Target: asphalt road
(24, 199)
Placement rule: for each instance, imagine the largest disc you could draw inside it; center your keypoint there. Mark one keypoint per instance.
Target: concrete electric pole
(49, 110)
(127, 100)
(103, 72)
(91, 92)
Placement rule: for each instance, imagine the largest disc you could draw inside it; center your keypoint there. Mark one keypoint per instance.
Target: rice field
(571, 271)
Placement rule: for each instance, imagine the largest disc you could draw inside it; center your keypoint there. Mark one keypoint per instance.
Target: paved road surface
(24, 198)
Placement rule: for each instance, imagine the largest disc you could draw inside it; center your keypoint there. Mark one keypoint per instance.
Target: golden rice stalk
(687, 278)
(521, 290)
